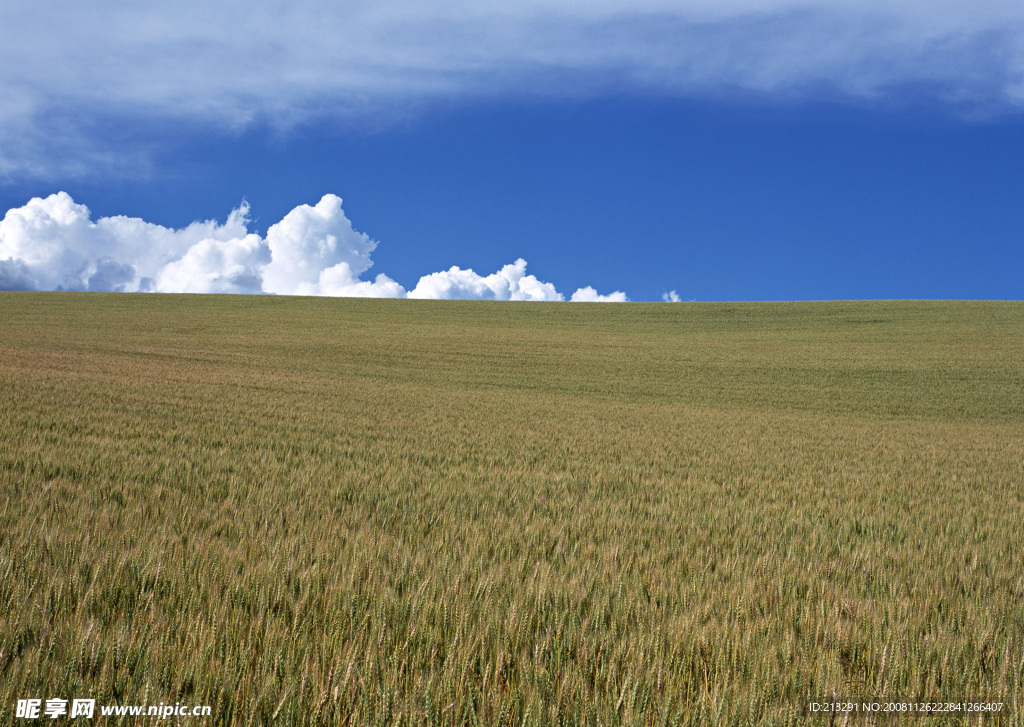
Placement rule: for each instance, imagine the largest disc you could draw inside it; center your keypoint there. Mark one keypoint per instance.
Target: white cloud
(73, 64)
(671, 297)
(217, 266)
(53, 244)
(316, 251)
(340, 282)
(589, 295)
(509, 283)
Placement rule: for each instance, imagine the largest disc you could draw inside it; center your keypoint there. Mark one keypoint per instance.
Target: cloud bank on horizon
(53, 244)
(79, 68)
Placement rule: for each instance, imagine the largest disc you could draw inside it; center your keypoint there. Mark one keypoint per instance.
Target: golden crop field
(322, 511)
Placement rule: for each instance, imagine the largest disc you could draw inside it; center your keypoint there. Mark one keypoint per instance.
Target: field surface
(312, 511)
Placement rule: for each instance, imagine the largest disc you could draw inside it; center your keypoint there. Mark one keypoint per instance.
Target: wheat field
(347, 512)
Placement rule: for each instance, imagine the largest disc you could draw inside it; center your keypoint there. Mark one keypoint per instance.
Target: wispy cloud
(53, 244)
(72, 63)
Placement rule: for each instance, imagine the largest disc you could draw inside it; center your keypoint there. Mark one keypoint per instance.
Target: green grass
(311, 511)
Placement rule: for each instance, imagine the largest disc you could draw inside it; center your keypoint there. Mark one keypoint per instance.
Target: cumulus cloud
(509, 283)
(671, 297)
(316, 251)
(77, 64)
(53, 244)
(15, 275)
(589, 295)
(215, 266)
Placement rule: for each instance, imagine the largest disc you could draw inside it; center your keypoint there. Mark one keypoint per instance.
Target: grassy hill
(319, 511)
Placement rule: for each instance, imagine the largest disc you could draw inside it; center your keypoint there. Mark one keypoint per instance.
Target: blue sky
(726, 151)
